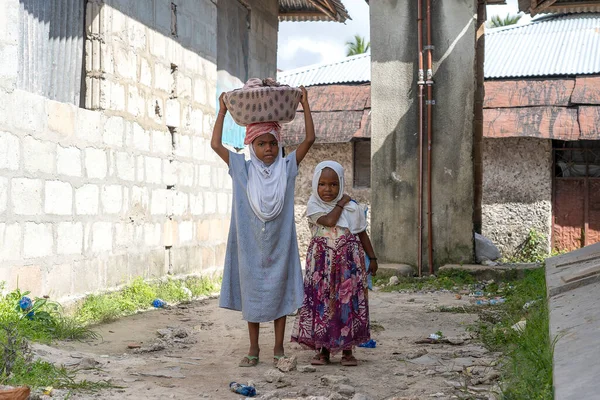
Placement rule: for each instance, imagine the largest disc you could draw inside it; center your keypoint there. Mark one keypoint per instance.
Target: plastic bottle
(242, 389)
(158, 303)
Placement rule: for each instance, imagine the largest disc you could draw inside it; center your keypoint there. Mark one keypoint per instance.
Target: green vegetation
(448, 280)
(23, 319)
(497, 21)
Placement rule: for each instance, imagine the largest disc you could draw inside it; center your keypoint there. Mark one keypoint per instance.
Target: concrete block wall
(264, 26)
(92, 198)
(517, 190)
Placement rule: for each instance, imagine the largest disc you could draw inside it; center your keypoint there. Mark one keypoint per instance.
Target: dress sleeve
(292, 165)
(236, 163)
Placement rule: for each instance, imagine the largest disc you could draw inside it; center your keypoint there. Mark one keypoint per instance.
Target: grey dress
(262, 275)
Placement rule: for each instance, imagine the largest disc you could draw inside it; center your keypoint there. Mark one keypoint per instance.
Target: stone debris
(287, 364)
(274, 375)
(306, 368)
(333, 380)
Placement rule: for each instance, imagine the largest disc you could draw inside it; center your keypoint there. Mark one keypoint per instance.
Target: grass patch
(23, 319)
(453, 279)
(139, 295)
(527, 372)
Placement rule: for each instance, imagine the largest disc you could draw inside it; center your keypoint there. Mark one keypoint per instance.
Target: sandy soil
(201, 346)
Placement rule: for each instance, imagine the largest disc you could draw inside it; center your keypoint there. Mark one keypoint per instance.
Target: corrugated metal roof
(354, 69)
(305, 10)
(561, 6)
(557, 45)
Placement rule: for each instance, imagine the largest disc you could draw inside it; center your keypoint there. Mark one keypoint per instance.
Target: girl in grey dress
(262, 276)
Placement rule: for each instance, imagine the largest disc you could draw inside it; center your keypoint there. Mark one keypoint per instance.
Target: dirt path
(203, 344)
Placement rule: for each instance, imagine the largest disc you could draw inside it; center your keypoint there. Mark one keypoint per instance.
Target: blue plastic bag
(370, 344)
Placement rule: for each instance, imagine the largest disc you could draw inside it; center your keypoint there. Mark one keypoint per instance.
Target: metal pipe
(430, 103)
(478, 118)
(420, 83)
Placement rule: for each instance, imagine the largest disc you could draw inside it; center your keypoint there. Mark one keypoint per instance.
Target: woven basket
(263, 104)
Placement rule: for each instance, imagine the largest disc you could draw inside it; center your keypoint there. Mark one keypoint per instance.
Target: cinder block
(39, 156)
(10, 242)
(180, 203)
(137, 31)
(185, 174)
(113, 131)
(152, 234)
(184, 147)
(140, 199)
(145, 77)
(205, 176)
(117, 97)
(87, 200)
(184, 87)
(153, 169)
(68, 161)
(160, 198)
(28, 278)
(125, 62)
(112, 199)
(223, 202)
(210, 203)
(88, 125)
(125, 166)
(173, 113)
(9, 151)
(61, 117)
(69, 238)
(170, 177)
(59, 198)
(3, 194)
(37, 240)
(57, 281)
(161, 142)
(87, 275)
(186, 232)
(102, 237)
(136, 103)
(196, 204)
(96, 164)
(139, 169)
(141, 138)
(26, 196)
(200, 146)
(156, 109)
(124, 234)
(163, 79)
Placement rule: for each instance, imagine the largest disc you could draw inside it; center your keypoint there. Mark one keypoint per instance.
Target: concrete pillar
(394, 131)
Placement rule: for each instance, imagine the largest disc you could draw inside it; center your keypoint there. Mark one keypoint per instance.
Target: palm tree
(497, 21)
(358, 46)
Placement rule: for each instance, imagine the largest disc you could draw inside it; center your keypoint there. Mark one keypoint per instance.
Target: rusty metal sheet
(338, 97)
(587, 90)
(569, 205)
(364, 132)
(330, 127)
(539, 122)
(527, 93)
(589, 122)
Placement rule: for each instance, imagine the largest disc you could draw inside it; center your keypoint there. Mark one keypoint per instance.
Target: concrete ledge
(389, 270)
(498, 272)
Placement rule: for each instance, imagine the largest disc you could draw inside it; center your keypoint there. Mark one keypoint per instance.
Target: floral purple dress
(335, 310)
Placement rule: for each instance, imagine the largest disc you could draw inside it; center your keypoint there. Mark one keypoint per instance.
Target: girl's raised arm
(217, 137)
(309, 127)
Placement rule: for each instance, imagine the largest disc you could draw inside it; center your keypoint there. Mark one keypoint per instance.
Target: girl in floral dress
(335, 312)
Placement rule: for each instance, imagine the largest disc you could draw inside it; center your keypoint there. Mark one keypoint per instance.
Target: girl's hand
(373, 267)
(344, 200)
(222, 105)
(304, 99)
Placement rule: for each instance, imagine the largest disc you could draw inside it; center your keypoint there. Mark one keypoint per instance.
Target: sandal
(320, 359)
(248, 361)
(277, 358)
(349, 361)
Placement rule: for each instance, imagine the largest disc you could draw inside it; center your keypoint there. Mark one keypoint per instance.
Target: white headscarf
(353, 216)
(266, 186)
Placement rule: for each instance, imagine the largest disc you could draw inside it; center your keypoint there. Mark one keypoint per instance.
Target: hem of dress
(311, 345)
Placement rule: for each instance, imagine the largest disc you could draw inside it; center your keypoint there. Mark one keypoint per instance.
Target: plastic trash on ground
(242, 389)
(370, 344)
(158, 303)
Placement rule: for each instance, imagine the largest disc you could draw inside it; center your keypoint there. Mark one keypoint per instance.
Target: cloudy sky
(305, 43)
